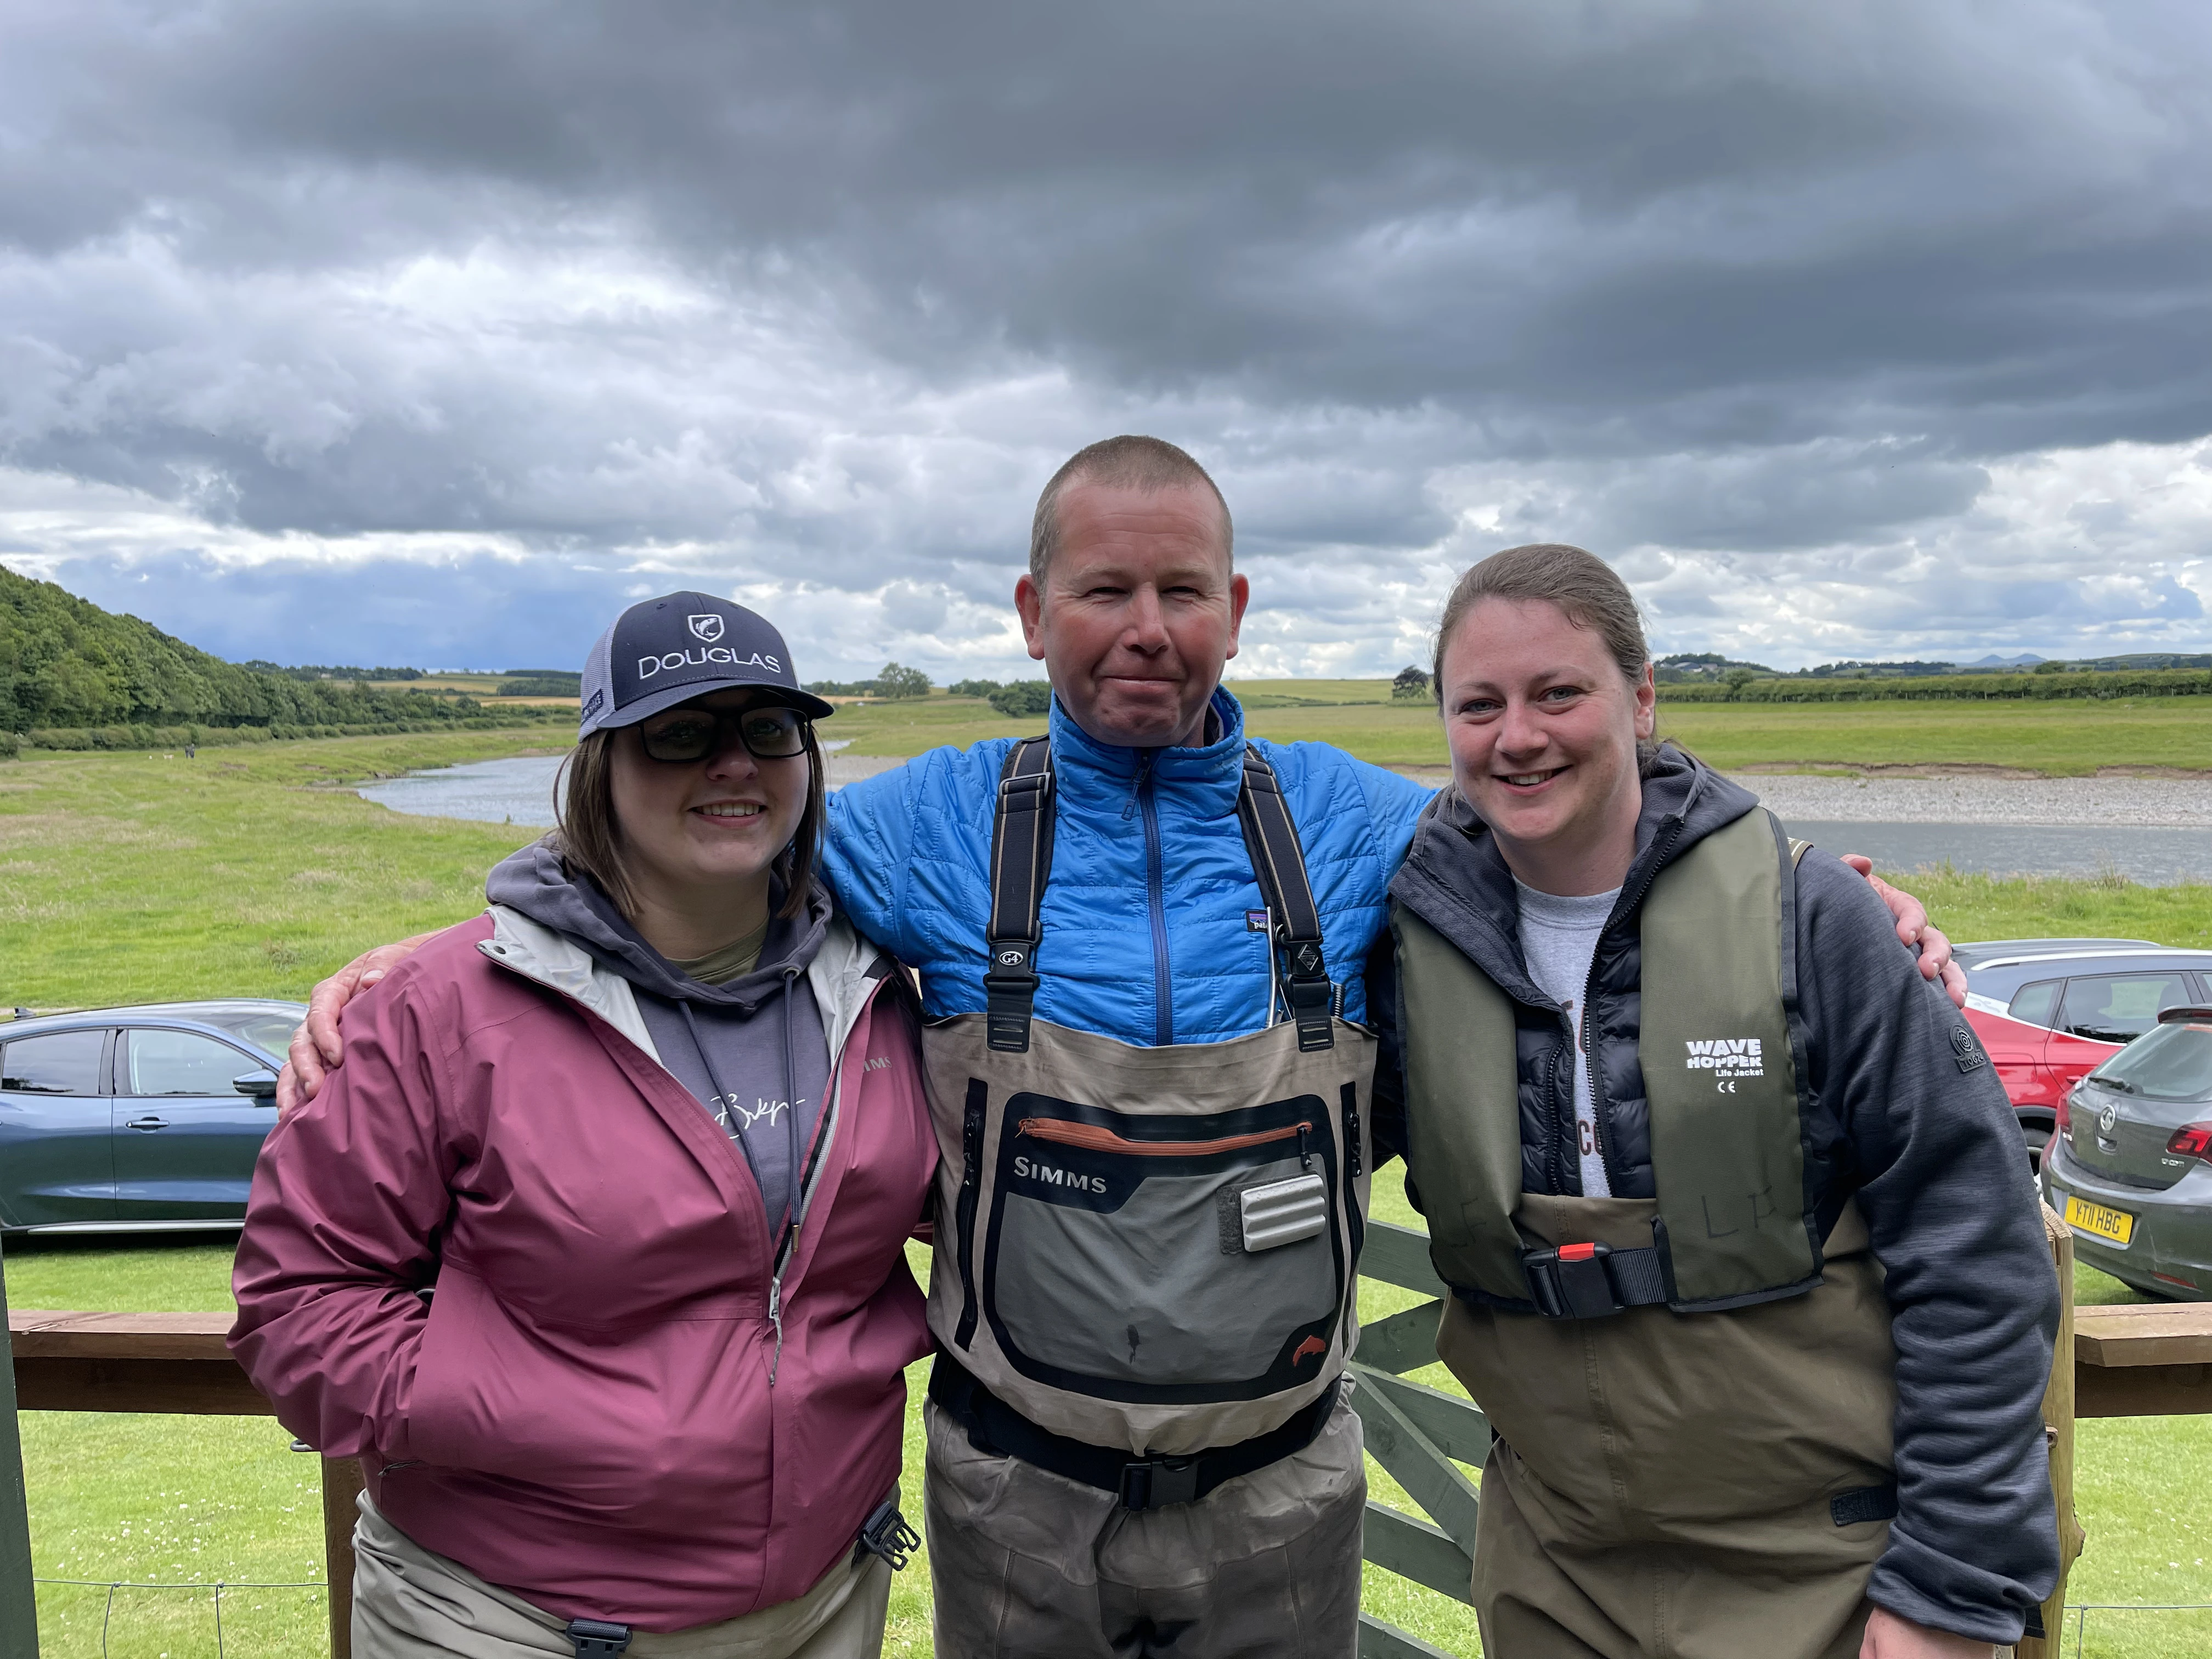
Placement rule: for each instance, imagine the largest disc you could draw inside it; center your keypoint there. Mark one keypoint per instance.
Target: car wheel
(2037, 1136)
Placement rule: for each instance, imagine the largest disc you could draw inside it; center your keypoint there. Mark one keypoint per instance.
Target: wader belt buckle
(1571, 1282)
(1588, 1281)
(885, 1533)
(595, 1638)
(1159, 1481)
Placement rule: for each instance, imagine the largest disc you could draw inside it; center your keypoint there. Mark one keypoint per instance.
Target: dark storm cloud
(822, 294)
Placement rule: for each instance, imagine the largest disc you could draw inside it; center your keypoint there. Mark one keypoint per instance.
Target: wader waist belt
(1588, 1281)
(1149, 1483)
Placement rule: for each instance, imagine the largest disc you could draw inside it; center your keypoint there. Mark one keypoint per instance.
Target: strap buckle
(596, 1639)
(1009, 987)
(1313, 1006)
(1157, 1482)
(1571, 1282)
(887, 1533)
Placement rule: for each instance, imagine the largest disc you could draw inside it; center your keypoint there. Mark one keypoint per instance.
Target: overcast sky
(432, 332)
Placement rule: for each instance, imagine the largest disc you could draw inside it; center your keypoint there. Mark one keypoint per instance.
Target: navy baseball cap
(666, 651)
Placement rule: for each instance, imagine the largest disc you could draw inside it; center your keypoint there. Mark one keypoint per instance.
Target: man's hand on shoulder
(316, 1048)
(1888, 1636)
(1917, 932)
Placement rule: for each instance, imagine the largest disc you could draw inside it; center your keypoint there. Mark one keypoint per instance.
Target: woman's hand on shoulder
(1917, 932)
(1888, 1636)
(316, 1048)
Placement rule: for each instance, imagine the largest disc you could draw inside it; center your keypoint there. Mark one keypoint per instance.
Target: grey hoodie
(753, 1051)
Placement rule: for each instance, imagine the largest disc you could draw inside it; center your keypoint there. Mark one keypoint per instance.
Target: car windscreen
(2173, 1063)
(2120, 1007)
(271, 1033)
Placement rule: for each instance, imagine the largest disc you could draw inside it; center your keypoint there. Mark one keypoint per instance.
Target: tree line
(68, 667)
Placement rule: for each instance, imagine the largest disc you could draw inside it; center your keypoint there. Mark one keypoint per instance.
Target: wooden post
(19, 1599)
(2059, 1430)
(342, 1485)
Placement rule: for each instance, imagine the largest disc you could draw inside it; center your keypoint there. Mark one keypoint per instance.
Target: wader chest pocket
(1106, 1263)
(1282, 1212)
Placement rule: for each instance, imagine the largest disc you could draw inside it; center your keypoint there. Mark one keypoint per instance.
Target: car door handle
(147, 1123)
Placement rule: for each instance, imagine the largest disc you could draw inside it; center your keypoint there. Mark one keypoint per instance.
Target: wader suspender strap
(1021, 860)
(1279, 864)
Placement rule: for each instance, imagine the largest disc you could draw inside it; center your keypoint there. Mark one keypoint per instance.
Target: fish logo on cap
(707, 627)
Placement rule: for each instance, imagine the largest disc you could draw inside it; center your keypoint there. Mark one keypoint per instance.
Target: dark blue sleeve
(1942, 1175)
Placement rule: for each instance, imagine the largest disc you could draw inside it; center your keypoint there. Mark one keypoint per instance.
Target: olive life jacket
(1721, 1045)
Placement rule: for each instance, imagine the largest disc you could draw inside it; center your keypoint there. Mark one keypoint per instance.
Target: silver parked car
(117, 1120)
(2130, 1167)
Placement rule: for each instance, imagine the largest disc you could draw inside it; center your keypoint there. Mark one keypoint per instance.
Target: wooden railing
(2151, 1361)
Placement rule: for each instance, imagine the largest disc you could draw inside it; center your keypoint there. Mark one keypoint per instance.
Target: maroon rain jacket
(591, 1410)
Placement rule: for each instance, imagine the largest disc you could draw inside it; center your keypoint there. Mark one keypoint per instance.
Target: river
(1828, 812)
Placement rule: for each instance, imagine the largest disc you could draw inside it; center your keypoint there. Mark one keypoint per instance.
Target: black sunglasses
(682, 735)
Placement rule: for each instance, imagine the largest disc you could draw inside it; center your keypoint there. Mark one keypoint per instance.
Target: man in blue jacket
(1148, 1527)
(1147, 938)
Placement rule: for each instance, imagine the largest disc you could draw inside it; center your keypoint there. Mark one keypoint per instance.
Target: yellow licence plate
(2115, 1224)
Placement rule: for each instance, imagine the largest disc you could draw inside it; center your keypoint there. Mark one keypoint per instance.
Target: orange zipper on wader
(1092, 1138)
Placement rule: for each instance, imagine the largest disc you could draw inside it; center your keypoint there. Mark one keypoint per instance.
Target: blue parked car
(120, 1120)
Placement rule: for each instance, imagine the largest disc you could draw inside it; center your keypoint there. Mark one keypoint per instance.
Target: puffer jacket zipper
(1630, 899)
(1156, 899)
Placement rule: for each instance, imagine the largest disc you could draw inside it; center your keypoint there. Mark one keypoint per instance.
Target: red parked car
(2048, 1010)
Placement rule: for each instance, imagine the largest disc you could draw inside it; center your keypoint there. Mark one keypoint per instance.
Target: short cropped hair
(1128, 462)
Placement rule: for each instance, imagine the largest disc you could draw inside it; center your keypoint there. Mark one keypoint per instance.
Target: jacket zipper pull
(1143, 771)
(1305, 1147)
(775, 1319)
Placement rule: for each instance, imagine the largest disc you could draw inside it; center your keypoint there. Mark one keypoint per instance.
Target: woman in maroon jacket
(653, 1129)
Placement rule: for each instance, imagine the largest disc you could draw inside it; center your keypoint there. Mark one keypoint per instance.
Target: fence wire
(111, 1585)
(2080, 1612)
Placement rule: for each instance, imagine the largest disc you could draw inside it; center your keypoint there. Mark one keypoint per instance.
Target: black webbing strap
(1021, 859)
(996, 1428)
(1279, 864)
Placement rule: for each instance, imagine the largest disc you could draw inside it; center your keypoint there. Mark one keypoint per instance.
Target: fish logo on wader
(1312, 1345)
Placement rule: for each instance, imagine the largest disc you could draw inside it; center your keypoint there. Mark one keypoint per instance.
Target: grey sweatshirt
(753, 1051)
(1907, 1118)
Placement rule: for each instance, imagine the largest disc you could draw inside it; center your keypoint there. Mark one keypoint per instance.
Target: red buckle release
(1576, 1252)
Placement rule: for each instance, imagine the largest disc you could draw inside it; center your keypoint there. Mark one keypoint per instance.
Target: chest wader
(1145, 1257)
(1693, 1394)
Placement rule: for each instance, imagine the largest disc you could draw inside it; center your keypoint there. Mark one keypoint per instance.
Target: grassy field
(2062, 739)
(128, 877)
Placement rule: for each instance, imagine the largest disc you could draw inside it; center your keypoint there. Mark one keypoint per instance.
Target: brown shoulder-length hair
(589, 839)
(1581, 586)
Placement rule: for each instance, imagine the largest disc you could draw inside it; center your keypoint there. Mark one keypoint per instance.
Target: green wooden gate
(1421, 1435)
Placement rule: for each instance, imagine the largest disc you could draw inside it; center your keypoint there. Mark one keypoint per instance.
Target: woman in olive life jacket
(1748, 1274)
(655, 1127)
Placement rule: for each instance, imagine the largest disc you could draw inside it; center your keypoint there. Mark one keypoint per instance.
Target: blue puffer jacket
(1145, 937)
